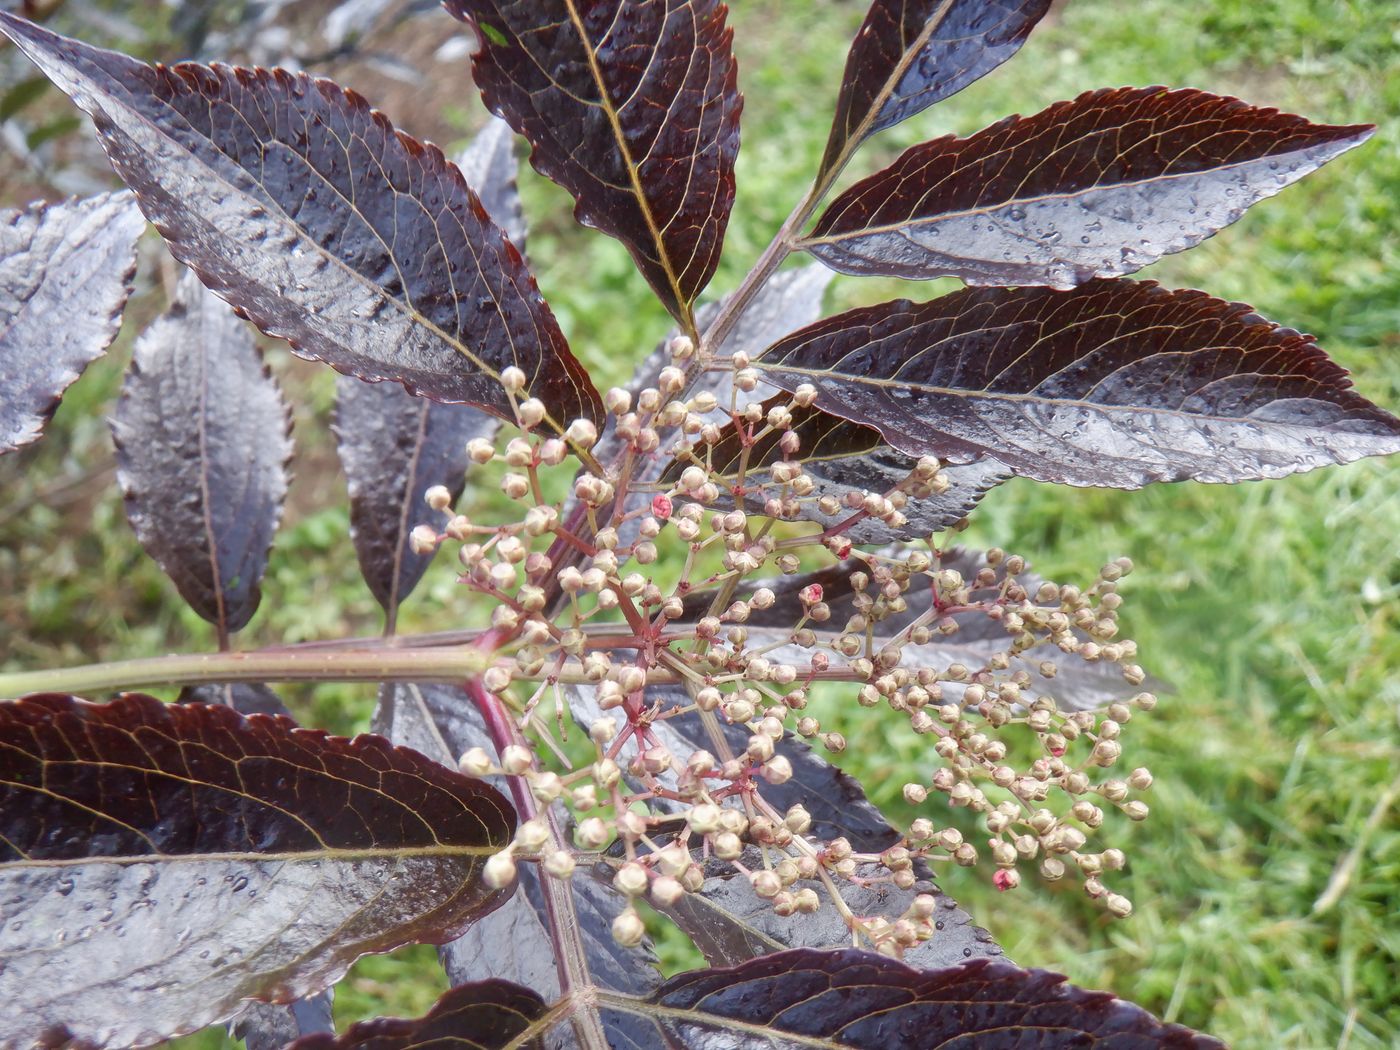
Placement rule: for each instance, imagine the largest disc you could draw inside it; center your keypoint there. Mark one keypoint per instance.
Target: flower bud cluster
(670, 599)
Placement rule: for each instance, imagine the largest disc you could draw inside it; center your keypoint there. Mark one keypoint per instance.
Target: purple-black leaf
(490, 168)
(180, 859)
(909, 54)
(633, 107)
(265, 1026)
(203, 442)
(487, 1015)
(1096, 187)
(305, 209)
(394, 447)
(1115, 383)
(65, 274)
(804, 998)
(247, 698)
(271, 1026)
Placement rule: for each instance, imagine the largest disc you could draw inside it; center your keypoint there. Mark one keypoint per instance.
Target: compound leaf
(65, 274)
(306, 210)
(805, 998)
(179, 859)
(203, 442)
(909, 54)
(1096, 187)
(633, 107)
(1115, 383)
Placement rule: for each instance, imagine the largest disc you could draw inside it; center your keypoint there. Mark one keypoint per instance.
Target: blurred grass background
(1272, 607)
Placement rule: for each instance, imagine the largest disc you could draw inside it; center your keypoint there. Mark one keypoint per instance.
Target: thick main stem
(371, 665)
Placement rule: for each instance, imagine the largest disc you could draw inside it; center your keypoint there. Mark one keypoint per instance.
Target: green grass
(1271, 607)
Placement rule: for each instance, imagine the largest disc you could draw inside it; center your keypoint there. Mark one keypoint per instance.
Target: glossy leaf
(806, 998)
(65, 274)
(247, 698)
(179, 859)
(307, 211)
(513, 942)
(1116, 383)
(486, 1015)
(203, 441)
(490, 168)
(842, 457)
(1096, 187)
(265, 1026)
(633, 107)
(271, 1026)
(394, 447)
(909, 54)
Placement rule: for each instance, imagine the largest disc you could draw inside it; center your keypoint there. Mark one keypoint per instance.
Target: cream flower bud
(582, 433)
(559, 864)
(423, 539)
(515, 759)
(499, 871)
(474, 762)
(628, 929)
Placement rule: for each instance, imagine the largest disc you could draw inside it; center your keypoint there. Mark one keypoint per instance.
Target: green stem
(369, 665)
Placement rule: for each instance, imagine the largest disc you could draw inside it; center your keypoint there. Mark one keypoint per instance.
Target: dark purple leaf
(247, 698)
(806, 998)
(65, 274)
(488, 1015)
(1097, 187)
(304, 208)
(271, 1026)
(394, 447)
(633, 107)
(910, 54)
(1116, 383)
(490, 168)
(203, 443)
(513, 942)
(179, 859)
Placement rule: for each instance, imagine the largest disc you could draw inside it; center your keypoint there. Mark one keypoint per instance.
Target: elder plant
(766, 516)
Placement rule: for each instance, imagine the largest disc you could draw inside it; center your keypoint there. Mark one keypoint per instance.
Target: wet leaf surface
(633, 107)
(909, 54)
(1116, 384)
(65, 274)
(807, 998)
(1096, 187)
(203, 441)
(179, 859)
(307, 211)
